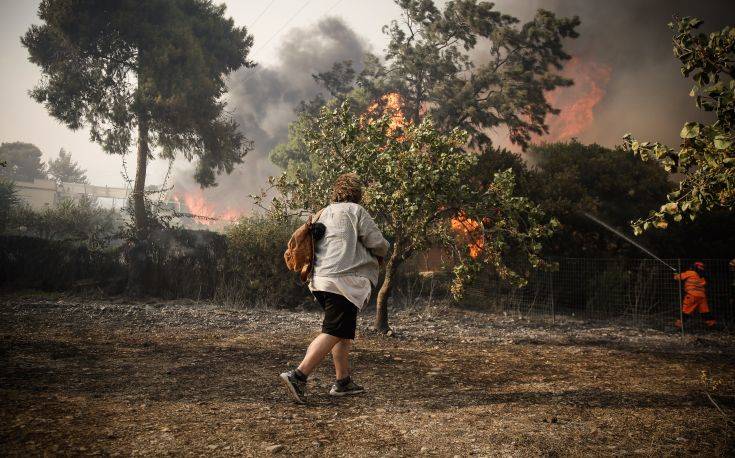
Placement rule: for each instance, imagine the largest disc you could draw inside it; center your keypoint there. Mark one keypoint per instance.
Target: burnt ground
(84, 376)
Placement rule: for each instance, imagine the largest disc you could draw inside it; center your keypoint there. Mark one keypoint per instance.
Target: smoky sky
(263, 101)
(645, 94)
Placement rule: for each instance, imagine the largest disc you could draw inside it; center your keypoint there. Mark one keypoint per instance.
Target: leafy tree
(428, 63)
(64, 169)
(706, 157)
(418, 185)
(571, 179)
(23, 162)
(157, 68)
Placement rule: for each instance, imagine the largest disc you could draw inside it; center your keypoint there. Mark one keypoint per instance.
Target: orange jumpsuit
(695, 298)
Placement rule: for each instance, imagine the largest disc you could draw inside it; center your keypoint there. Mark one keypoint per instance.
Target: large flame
(199, 208)
(577, 103)
(471, 231)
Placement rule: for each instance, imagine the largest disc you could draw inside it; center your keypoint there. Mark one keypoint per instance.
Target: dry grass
(81, 376)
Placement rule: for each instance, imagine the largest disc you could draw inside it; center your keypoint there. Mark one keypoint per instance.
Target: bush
(185, 263)
(62, 247)
(77, 243)
(255, 272)
(68, 220)
(8, 202)
(30, 262)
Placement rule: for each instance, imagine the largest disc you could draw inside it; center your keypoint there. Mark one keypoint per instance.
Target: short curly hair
(347, 188)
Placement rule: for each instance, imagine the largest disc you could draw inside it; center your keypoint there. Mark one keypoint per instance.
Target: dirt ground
(92, 377)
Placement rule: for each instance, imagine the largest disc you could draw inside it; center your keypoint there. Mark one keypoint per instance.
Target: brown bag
(299, 255)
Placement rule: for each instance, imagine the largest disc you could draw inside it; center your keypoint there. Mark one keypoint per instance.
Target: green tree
(22, 162)
(419, 180)
(428, 62)
(152, 72)
(570, 179)
(706, 156)
(64, 169)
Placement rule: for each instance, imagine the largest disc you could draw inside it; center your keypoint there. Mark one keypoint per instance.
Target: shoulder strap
(318, 214)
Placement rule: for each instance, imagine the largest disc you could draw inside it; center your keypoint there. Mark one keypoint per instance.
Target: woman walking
(345, 271)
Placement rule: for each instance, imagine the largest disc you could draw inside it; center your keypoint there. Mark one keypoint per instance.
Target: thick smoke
(264, 99)
(645, 93)
(641, 89)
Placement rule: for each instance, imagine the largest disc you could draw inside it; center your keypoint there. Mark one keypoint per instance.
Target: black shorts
(340, 315)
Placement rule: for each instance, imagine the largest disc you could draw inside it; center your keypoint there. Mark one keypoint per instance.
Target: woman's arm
(370, 234)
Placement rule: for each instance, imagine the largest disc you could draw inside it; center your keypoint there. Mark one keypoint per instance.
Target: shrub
(8, 202)
(185, 263)
(31, 262)
(255, 272)
(69, 220)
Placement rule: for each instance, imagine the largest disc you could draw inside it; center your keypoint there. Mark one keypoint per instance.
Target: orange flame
(198, 206)
(471, 231)
(201, 210)
(231, 215)
(577, 103)
(390, 104)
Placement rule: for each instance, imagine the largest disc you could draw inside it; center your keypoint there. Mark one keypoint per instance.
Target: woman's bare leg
(318, 349)
(341, 355)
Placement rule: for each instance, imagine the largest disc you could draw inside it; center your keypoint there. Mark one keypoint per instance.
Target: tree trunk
(138, 255)
(381, 310)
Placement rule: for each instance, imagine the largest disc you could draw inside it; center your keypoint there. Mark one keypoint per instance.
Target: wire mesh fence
(639, 292)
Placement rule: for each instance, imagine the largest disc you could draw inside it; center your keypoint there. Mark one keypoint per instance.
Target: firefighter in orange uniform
(695, 298)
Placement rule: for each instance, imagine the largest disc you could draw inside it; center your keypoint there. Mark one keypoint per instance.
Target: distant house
(40, 194)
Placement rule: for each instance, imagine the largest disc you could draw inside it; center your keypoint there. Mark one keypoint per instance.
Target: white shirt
(351, 243)
(355, 288)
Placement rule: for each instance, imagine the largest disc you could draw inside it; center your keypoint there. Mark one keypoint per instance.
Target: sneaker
(296, 388)
(345, 388)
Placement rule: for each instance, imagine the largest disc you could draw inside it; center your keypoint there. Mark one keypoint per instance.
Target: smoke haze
(264, 100)
(645, 92)
(627, 80)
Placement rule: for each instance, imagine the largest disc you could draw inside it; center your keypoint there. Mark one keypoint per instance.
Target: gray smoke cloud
(264, 99)
(646, 93)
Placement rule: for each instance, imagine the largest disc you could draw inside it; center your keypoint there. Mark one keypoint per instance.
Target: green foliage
(571, 179)
(56, 265)
(428, 63)
(706, 156)
(9, 201)
(80, 221)
(418, 179)
(182, 262)
(64, 169)
(22, 162)
(160, 64)
(254, 273)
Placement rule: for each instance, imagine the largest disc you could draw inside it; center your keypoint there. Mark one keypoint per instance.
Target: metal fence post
(553, 309)
(681, 304)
